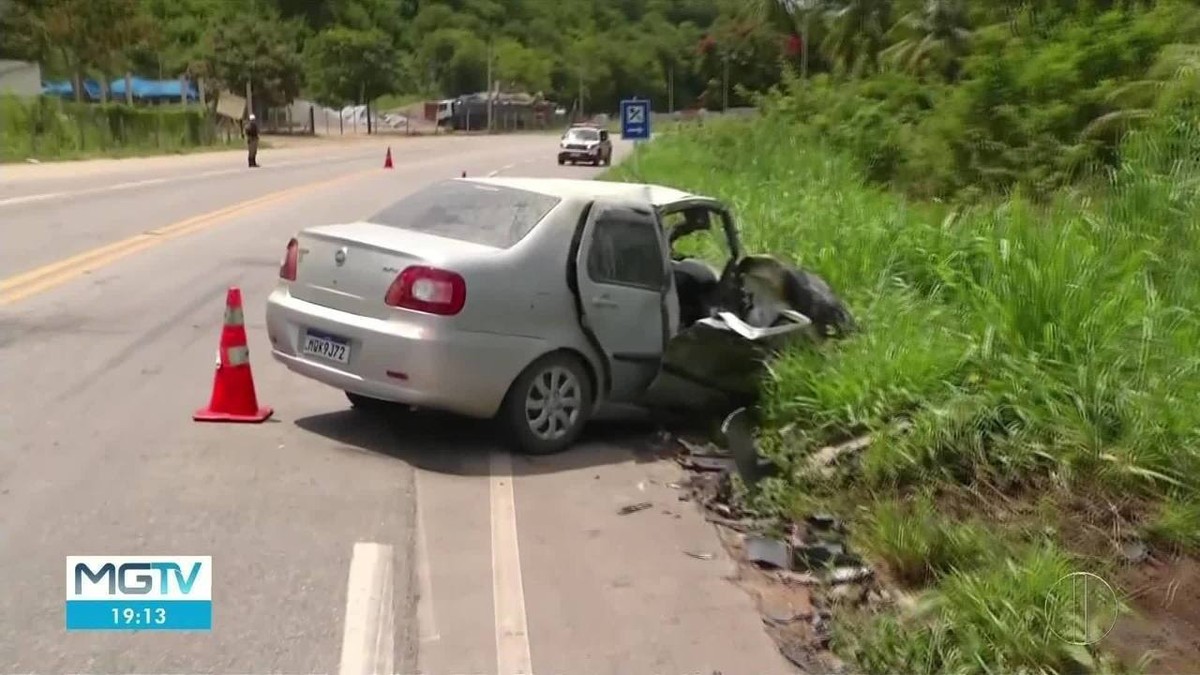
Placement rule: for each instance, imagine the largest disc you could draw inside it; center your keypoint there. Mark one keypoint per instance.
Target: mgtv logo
(139, 592)
(119, 577)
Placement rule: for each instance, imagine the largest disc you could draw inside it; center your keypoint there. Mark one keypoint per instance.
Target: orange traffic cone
(387, 160)
(233, 398)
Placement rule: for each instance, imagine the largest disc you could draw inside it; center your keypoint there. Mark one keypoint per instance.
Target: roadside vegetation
(44, 128)
(1018, 233)
(389, 52)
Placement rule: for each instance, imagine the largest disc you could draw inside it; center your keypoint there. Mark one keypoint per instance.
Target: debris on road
(797, 570)
(634, 508)
(700, 555)
(771, 552)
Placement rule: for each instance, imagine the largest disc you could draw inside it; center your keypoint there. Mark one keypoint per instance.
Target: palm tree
(857, 34)
(1173, 81)
(795, 17)
(932, 39)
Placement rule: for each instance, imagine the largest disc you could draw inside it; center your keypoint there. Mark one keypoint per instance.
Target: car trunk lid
(349, 267)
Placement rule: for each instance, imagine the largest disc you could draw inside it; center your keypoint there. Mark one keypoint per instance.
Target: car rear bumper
(457, 371)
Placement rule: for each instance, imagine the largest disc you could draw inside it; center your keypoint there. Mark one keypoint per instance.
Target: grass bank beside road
(47, 129)
(1028, 375)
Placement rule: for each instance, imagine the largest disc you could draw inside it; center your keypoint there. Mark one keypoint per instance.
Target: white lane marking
(12, 201)
(426, 618)
(501, 170)
(512, 631)
(32, 198)
(137, 183)
(367, 640)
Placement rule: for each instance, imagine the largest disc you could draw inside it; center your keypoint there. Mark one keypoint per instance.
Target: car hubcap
(552, 404)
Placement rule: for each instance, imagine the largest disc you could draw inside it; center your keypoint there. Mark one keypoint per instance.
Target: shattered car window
(490, 215)
(709, 245)
(625, 252)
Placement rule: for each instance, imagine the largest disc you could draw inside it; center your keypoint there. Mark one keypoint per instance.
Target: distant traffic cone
(233, 398)
(387, 160)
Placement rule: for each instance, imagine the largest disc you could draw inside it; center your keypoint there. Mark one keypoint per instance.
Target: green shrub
(47, 128)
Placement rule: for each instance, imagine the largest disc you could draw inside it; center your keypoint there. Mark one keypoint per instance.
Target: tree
(350, 65)
(109, 50)
(932, 39)
(22, 31)
(520, 67)
(262, 50)
(857, 34)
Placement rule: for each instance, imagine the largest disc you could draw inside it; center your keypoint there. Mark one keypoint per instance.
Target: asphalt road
(112, 287)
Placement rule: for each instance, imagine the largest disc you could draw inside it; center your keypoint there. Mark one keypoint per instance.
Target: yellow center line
(49, 276)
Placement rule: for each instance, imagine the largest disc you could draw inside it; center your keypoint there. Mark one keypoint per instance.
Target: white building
(21, 78)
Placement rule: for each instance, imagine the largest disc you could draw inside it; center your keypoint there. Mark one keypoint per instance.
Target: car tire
(533, 432)
(561, 161)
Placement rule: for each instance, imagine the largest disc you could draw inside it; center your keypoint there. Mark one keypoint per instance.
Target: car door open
(622, 279)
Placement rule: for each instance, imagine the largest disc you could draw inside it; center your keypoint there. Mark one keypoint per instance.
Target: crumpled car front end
(716, 364)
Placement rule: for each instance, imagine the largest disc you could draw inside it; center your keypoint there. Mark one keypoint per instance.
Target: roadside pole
(635, 126)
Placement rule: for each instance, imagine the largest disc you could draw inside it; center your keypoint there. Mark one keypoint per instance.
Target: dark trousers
(252, 147)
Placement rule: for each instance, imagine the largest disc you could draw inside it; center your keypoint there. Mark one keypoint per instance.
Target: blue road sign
(635, 120)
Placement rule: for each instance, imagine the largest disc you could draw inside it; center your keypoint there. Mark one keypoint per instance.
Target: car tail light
(428, 289)
(291, 260)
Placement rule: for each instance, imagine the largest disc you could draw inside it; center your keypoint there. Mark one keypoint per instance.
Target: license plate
(326, 346)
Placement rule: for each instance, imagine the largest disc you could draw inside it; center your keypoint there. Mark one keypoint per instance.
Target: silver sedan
(532, 301)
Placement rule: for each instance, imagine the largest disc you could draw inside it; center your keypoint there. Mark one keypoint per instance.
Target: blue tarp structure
(143, 90)
(150, 90)
(91, 89)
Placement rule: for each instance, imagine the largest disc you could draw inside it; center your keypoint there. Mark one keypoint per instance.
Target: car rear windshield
(584, 134)
(489, 215)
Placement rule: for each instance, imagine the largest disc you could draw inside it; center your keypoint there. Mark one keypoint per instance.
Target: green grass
(1037, 351)
(48, 129)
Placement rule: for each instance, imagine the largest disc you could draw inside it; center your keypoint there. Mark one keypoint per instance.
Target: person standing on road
(252, 140)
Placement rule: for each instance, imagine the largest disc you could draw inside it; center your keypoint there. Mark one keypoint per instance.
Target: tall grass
(1028, 346)
(49, 129)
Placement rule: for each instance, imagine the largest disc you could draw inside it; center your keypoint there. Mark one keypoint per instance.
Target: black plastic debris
(824, 522)
(769, 552)
(634, 508)
(824, 554)
(738, 429)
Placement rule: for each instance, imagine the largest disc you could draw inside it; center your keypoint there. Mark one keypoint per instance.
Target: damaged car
(534, 302)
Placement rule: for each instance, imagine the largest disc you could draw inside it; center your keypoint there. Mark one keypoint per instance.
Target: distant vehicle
(585, 143)
(528, 300)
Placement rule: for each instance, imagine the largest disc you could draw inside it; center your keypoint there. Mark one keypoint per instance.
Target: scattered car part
(634, 508)
(769, 552)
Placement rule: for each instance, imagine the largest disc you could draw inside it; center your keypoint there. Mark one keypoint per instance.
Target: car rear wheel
(548, 405)
(561, 161)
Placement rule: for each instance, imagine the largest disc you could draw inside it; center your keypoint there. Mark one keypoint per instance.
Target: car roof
(565, 188)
